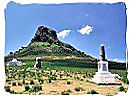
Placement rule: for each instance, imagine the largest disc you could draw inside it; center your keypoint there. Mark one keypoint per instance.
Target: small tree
(11, 53)
(121, 88)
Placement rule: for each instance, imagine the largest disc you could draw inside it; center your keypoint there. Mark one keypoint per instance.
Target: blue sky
(86, 26)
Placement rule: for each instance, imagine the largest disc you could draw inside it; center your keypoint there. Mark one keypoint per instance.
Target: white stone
(14, 62)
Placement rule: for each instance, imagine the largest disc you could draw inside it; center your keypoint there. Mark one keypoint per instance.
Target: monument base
(105, 78)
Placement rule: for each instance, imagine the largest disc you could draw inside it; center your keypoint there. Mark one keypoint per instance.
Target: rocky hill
(46, 43)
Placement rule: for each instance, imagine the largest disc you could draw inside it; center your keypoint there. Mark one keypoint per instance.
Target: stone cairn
(37, 65)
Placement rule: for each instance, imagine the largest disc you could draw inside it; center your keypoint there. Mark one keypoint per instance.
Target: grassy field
(61, 76)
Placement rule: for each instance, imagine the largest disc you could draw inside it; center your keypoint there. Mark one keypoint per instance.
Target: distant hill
(45, 43)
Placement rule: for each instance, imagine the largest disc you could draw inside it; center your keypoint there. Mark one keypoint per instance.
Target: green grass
(69, 64)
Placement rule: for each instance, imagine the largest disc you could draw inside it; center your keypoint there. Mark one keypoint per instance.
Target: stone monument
(103, 76)
(38, 63)
(14, 62)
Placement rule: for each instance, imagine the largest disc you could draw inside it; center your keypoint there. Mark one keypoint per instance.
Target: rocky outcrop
(44, 34)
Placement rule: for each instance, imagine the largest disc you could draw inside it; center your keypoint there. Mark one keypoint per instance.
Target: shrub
(26, 88)
(82, 79)
(78, 88)
(7, 88)
(125, 80)
(36, 88)
(23, 82)
(30, 90)
(12, 92)
(109, 95)
(32, 82)
(41, 81)
(92, 92)
(49, 80)
(66, 92)
(78, 78)
(26, 83)
(68, 82)
(14, 84)
(20, 84)
(121, 88)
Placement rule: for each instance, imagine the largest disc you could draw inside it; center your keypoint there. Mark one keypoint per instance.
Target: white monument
(103, 76)
(14, 62)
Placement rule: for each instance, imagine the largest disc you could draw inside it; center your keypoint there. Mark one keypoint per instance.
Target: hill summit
(44, 34)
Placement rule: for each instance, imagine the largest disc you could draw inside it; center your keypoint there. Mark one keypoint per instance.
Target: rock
(14, 62)
(44, 34)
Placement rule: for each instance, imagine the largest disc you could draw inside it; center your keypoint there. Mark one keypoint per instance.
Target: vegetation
(14, 84)
(26, 88)
(66, 92)
(68, 82)
(121, 88)
(36, 88)
(109, 95)
(92, 92)
(7, 88)
(78, 89)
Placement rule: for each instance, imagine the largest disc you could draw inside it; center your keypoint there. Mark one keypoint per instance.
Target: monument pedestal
(103, 76)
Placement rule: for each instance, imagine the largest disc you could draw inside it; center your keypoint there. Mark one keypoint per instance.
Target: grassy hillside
(47, 49)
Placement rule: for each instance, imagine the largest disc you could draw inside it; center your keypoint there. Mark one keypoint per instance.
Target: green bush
(30, 90)
(36, 88)
(42, 81)
(23, 82)
(109, 95)
(14, 84)
(27, 88)
(49, 80)
(66, 92)
(92, 92)
(20, 84)
(121, 88)
(78, 88)
(7, 88)
(68, 82)
(32, 82)
(125, 80)
(82, 79)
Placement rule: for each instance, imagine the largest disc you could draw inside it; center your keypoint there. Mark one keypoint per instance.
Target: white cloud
(107, 48)
(118, 60)
(115, 59)
(86, 30)
(63, 33)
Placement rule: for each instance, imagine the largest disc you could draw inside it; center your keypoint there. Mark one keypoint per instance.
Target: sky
(83, 25)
